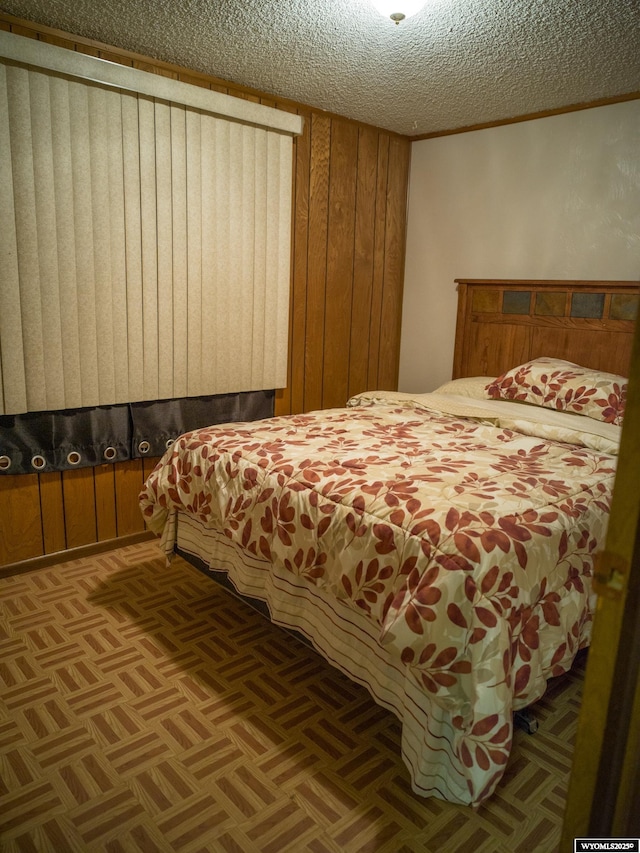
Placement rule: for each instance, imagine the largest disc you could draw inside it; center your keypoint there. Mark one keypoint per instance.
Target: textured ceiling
(456, 63)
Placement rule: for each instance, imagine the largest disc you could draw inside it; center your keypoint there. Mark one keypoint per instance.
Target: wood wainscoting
(52, 512)
(349, 230)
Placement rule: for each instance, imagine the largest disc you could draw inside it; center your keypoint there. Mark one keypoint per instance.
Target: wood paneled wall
(349, 227)
(42, 514)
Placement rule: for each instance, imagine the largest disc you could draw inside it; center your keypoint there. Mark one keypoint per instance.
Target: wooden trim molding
(47, 560)
(571, 108)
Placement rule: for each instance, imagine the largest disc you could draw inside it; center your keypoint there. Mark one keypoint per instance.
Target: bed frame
(504, 322)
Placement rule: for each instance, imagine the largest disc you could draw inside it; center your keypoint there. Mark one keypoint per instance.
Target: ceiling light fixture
(398, 10)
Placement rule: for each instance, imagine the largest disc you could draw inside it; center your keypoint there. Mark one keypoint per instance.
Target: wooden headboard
(503, 323)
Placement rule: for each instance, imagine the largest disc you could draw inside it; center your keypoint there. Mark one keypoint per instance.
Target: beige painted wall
(557, 197)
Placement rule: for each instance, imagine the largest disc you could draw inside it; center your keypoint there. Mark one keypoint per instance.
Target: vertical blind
(144, 240)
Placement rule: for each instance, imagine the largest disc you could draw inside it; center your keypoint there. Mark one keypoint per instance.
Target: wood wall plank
(363, 260)
(148, 464)
(79, 507)
(300, 269)
(395, 220)
(349, 204)
(340, 253)
(129, 482)
(379, 246)
(20, 525)
(317, 259)
(105, 487)
(52, 509)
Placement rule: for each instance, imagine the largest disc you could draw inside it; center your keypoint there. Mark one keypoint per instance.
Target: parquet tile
(144, 709)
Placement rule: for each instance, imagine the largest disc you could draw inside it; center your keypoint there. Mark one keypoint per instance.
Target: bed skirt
(347, 640)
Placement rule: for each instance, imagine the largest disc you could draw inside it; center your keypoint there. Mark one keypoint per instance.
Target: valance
(94, 70)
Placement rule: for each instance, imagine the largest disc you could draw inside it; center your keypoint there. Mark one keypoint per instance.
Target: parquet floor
(144, 709)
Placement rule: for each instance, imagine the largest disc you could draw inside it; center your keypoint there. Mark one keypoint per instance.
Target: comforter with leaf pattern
(467, 540)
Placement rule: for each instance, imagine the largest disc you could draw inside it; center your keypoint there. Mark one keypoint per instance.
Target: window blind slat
(246, 205)
(99, 154)
(227, 254)
(272, 320)
(133, 248)
(211, 252)
(194, 252)
(13, 389)
(149, 249)
(164, 241)
(283, 189)
(83, 233)
(45, 202)
(118, 269)
(179, 235)
(66, 242)
(262, 305)
(27, 235)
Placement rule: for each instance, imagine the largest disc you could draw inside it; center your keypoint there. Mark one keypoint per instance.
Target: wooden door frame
(605, 777)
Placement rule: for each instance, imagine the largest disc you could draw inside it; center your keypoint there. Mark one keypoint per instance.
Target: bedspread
(469, 544)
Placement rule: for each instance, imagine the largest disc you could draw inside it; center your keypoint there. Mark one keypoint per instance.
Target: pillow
(562, 385)
(468, 386)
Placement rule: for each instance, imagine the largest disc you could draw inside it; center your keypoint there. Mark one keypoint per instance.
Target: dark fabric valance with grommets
(81, 438)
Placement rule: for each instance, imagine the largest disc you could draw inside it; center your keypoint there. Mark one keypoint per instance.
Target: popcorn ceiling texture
(456, 63)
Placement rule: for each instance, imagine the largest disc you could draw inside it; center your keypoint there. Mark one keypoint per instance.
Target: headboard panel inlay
(504, 322)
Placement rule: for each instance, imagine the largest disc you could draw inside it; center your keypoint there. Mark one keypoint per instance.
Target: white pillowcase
(468, 386)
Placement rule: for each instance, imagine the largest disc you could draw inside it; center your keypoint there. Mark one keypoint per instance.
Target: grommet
(144, 447)
(169, 442)
(38, 462)
(110, 453)
(74, 457)
(5, 463)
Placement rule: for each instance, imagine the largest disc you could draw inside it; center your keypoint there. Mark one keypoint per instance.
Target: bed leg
(525, 719)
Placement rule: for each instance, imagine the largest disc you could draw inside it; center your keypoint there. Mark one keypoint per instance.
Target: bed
(437, 548)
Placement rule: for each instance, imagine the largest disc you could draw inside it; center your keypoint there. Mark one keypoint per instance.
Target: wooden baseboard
(47, 560)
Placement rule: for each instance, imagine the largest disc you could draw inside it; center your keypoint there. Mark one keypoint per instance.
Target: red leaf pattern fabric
(564, 386)
(470, 547)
